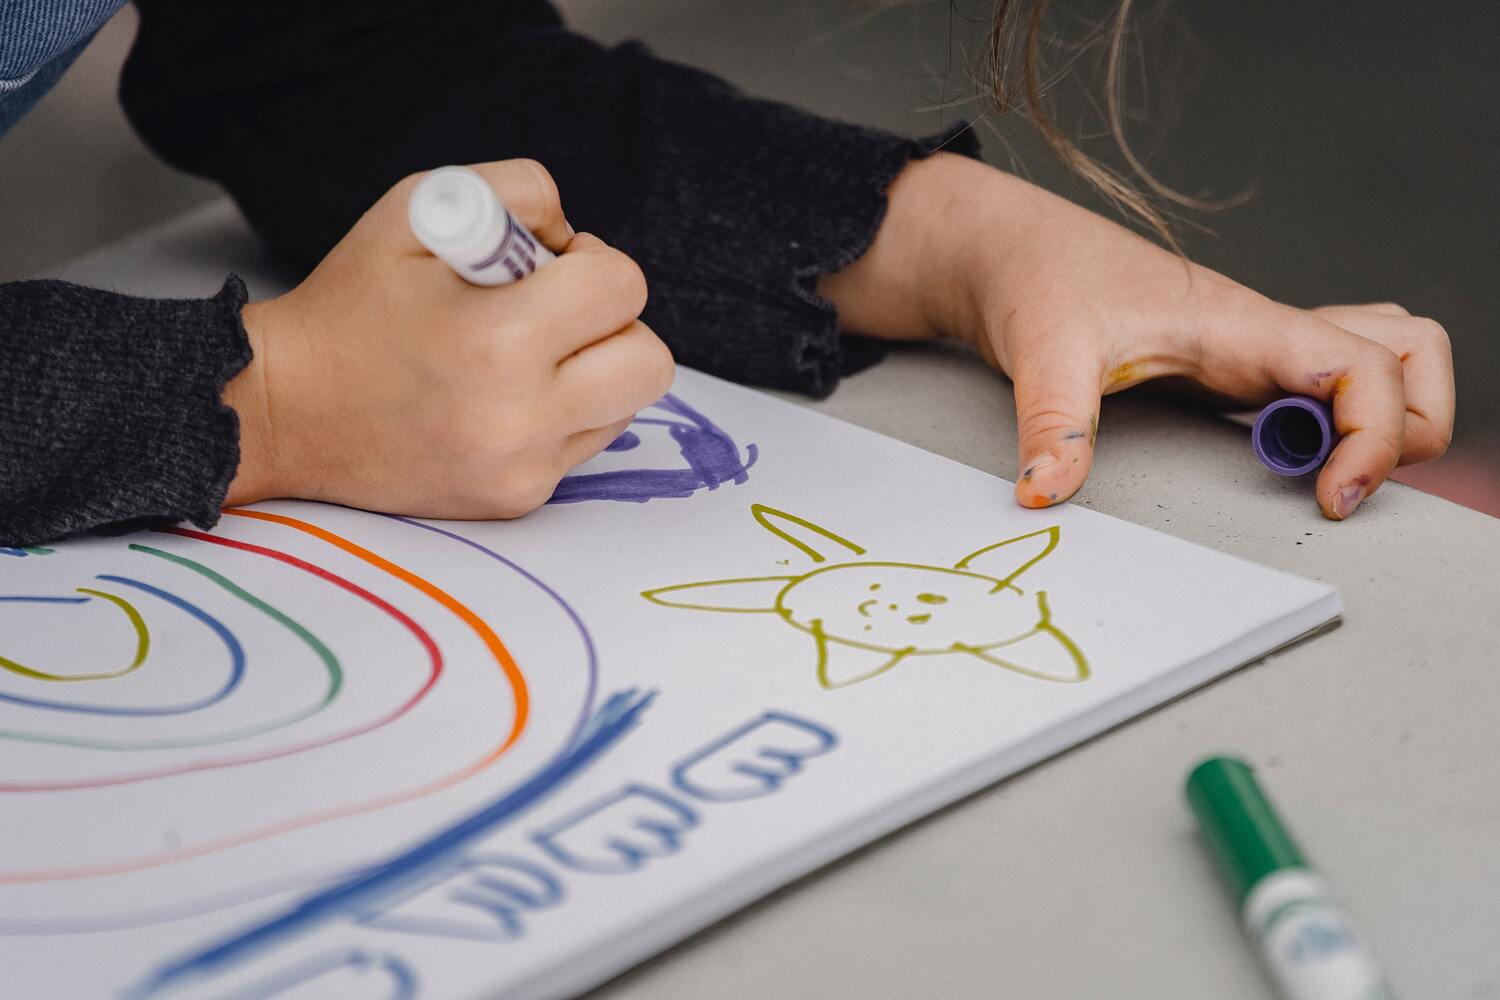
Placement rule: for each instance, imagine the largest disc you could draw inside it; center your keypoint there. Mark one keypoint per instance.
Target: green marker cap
(1241, 828)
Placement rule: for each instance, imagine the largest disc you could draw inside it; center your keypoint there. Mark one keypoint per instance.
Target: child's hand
(1072, 306)
(385, 381)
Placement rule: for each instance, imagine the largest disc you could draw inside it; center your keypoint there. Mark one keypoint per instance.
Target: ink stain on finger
(1123, 372)
(1093, 429)
(1052, 496)
(1075, 435)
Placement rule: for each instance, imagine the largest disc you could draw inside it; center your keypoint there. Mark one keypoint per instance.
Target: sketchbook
(319, 752)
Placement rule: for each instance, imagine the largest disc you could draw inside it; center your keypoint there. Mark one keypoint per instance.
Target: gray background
(1369, 133)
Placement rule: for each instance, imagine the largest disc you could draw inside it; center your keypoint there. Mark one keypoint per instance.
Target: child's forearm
(911, 283)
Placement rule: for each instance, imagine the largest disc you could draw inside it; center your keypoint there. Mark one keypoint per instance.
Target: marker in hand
(457, 215)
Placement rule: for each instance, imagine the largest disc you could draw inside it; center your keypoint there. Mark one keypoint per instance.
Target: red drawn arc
(506, 663)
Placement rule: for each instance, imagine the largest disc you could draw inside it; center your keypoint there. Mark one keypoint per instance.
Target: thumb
(1057, 414)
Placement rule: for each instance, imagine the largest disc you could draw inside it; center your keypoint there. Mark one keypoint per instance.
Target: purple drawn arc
(591, 692)
(575, 738)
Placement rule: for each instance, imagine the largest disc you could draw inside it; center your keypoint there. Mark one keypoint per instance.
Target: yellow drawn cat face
(867, 615)
(896, 606)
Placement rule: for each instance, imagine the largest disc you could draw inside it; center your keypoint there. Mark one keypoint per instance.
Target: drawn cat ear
(812, 540)
(1009, 559)
(1046, 652)
(747, 595)
(840, 665)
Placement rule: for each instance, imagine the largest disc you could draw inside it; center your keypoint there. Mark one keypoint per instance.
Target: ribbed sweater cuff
(115, 417)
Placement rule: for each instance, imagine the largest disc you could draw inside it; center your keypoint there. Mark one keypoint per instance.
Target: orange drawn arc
(492, 641)
(486, 634)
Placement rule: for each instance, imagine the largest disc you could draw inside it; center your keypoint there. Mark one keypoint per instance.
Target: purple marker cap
(1293, 435)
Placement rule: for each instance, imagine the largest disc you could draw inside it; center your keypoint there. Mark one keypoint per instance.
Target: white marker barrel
(456, 214)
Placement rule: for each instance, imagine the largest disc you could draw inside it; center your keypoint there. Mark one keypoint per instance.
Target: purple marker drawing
(710, 456)
(1294, 435)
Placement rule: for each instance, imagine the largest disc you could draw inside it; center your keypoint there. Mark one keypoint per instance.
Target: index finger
(524, 188)
(529, 192)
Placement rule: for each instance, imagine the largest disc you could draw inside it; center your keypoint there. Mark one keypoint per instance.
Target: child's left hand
(1072, 306)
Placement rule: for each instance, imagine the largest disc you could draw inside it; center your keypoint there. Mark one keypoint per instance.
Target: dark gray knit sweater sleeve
(733, 206)
(110, 410)
(738, 205)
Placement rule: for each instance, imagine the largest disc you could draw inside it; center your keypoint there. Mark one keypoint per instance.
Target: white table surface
(1083, 877)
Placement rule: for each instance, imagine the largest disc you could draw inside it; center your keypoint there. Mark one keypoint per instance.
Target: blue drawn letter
(480, 898)
(753, 760)
(616, 834)
(347, 973)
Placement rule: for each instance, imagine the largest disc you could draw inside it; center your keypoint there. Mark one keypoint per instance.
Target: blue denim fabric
(39, 39)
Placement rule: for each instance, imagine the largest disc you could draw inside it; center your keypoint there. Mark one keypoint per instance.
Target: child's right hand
(385, 381)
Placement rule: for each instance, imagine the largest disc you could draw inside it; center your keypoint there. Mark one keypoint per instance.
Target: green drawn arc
(326, 655)
(142, 647)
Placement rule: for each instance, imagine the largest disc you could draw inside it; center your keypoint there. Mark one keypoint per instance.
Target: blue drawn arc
(579, 735)
(620, 713)
(236, 664)
(403, 980)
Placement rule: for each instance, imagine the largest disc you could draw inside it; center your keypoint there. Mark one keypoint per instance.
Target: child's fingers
(1364, 382)
(614, 378)
(1057, 415)
(524, 187)
(586, 295)
(1427, 359)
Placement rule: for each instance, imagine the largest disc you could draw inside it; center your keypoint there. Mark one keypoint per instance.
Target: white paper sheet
(326, 753)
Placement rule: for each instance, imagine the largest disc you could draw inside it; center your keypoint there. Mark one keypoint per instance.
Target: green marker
(1308, 945)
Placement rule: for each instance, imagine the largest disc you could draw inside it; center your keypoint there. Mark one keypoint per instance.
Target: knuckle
(542, 201)
(1425, 447)
(1044, 415)
(1431, 332)
(657, 363)
(523, 490)
(1387, 445)
(1381, 360)
(626, 281)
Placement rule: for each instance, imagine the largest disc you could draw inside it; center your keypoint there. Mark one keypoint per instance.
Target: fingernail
(1039, 462)
(569, 227)
(1347, 499)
